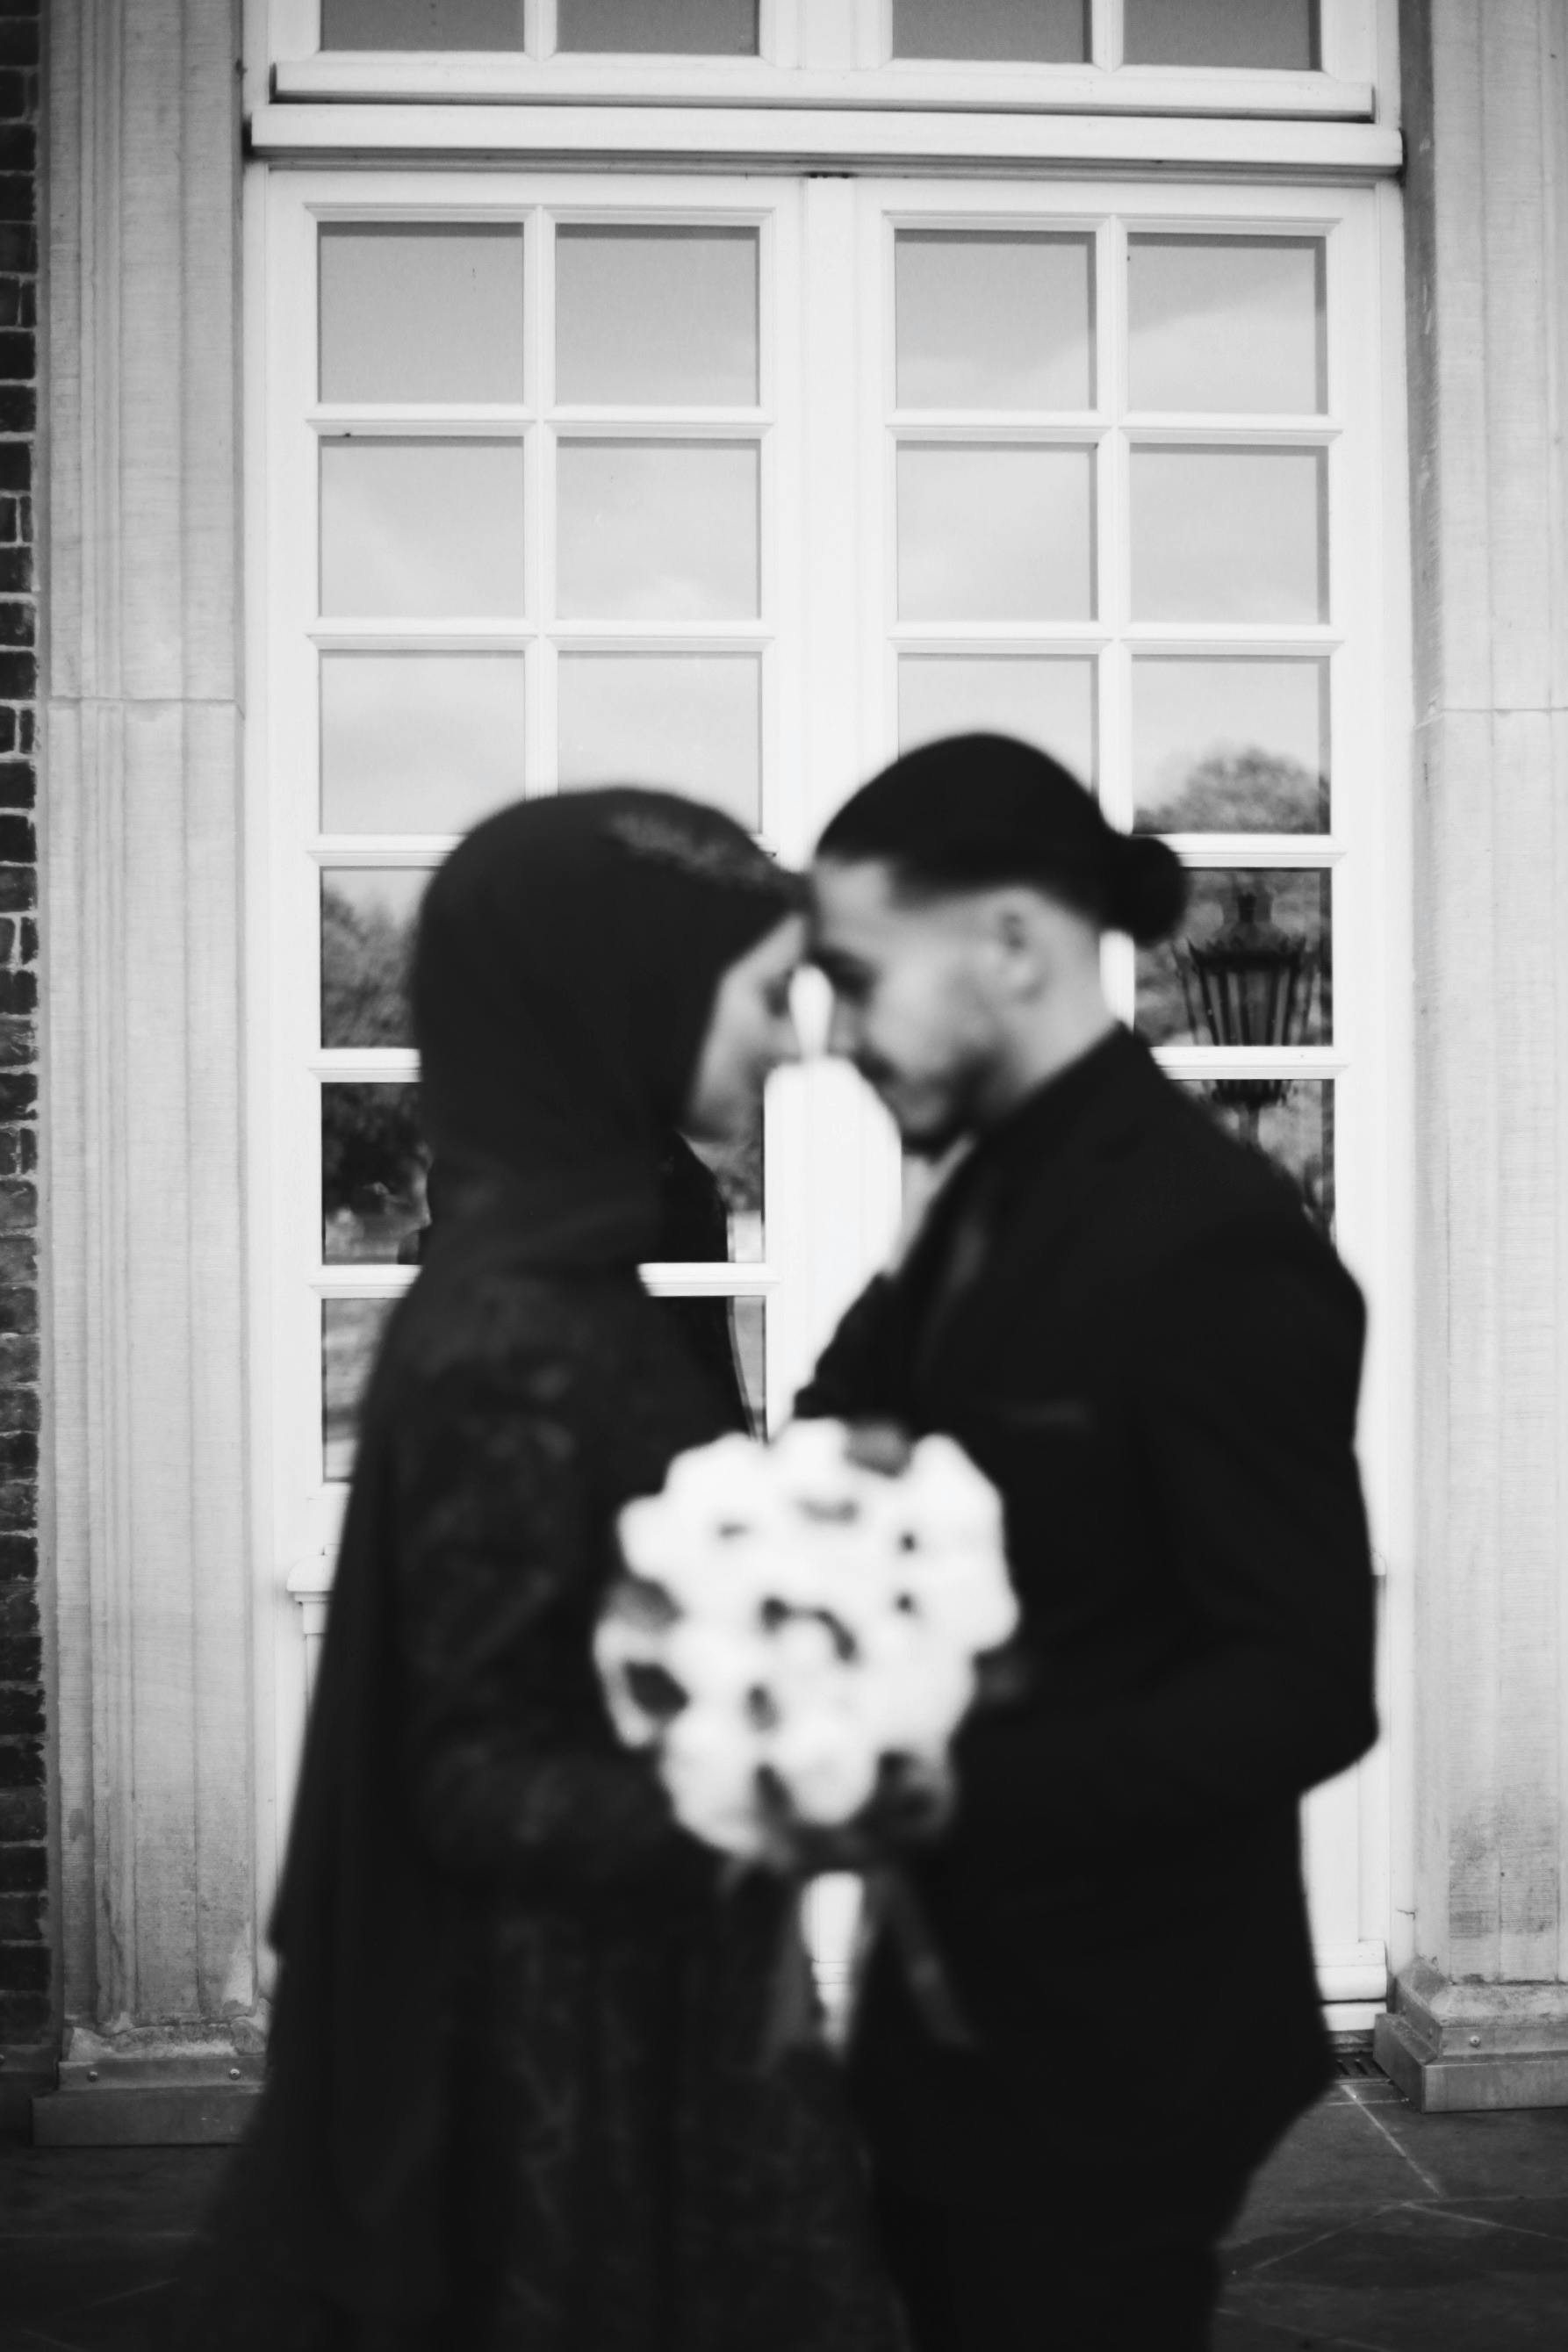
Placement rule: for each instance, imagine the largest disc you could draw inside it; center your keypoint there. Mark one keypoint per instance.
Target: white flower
(918, 1689)
(710, 1764)
(827, 1762)
(712, 1660)
(947, 1500)
(817, 1477)
(812, 1615)
(802, 1653)
(717, 1487)
(967, 1596)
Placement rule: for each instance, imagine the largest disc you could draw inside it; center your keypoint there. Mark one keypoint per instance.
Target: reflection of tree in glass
(373, 1160)
(1243, 791)
(365, 973)
(350, 1334)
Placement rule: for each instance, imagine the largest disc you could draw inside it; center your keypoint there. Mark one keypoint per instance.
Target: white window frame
(832, 53)
(831, 422)
(1363, 640)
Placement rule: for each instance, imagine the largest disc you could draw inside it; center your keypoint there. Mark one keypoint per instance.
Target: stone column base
(152, 2089)
(1453, 2047)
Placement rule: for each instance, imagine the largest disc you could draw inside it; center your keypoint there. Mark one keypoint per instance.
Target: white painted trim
(796, 139)
(1392, 1382)
(279, 1713)
(368, 77)
(1356, 1971)
(674, 1278)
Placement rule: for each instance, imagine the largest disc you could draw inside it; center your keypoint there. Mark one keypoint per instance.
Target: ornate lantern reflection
(1250, 984)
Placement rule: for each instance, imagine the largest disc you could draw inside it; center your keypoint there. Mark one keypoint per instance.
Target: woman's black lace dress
(514, 2097)
(606, 2166)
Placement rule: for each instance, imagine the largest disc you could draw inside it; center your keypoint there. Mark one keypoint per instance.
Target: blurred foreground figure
(513, 2098)
(1132, 1325)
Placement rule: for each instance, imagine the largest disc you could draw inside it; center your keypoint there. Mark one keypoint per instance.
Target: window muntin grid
(538, 564)
(1309, 61)
(1269, 36)
(1191, 678)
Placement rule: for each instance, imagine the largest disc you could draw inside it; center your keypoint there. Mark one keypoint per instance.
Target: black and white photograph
(783, 1175)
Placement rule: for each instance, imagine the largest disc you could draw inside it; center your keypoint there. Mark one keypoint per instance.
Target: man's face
(913, 1009)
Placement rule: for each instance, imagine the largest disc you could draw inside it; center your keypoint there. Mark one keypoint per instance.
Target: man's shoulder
(1174, 1184)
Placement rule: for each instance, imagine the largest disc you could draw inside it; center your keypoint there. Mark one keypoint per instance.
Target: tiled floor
(1377, 2229)
(1372, 2230)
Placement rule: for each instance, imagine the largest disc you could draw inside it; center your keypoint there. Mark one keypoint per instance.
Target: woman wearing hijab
(515, 2095)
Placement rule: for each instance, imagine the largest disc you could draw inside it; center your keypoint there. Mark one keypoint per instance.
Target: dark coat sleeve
(1241, 1397)
(515, 1771)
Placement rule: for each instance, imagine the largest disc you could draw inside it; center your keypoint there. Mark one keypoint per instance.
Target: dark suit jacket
(1156, 1359)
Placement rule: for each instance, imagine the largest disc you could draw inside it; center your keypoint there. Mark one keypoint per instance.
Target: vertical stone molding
(143, 1051)
(1483, 2013)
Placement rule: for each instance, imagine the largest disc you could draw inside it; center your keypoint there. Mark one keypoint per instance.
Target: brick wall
(25, 1948)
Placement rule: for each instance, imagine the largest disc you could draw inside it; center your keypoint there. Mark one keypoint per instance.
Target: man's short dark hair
(984, 811)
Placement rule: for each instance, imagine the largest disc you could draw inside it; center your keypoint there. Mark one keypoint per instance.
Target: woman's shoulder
(510, 1326)
(538, 1376)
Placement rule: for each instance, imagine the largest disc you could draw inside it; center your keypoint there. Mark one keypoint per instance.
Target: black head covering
(568, 955)
(975, 812)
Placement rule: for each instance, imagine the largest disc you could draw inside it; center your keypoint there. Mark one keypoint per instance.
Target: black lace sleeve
(503, 1550)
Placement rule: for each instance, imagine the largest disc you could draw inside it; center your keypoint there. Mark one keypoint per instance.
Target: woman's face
(750, 1032)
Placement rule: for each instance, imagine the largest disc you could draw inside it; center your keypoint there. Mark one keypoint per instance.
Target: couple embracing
(513, 2095)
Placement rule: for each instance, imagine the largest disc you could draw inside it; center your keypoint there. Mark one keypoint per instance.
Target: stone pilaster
(153, 1633)
(1483, 2012)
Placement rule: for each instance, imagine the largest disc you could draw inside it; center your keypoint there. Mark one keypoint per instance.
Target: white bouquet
(802, 1633)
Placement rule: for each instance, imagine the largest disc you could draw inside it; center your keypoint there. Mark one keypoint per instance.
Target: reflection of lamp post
(1251, 984)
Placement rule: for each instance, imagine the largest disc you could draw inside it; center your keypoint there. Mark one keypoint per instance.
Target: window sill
(414, 79)
(793, 138)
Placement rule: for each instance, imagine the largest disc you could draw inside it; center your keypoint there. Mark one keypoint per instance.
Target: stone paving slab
(1372, 2228)
(1375, 2228)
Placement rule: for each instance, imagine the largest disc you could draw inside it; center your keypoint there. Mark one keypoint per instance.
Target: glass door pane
(374, 1163)
(991, 533)
(658, 531)
(985, 321)
(1230, 746)
(715, 28)
(1232, 324)
(462, 284)
(350, 1334)
(1036, 32)
(655, 316)
(1251, 964)
(1232, 534)
(421, 529)
(422, 24)
(692, 722)
(369, 917)
(419, 742)
(1048, 700)
(1254, 33)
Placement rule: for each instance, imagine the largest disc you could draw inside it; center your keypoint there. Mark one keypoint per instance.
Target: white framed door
(738, 483)
(1155, 535)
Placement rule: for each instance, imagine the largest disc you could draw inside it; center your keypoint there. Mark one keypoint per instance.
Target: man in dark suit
(1133, 1326)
